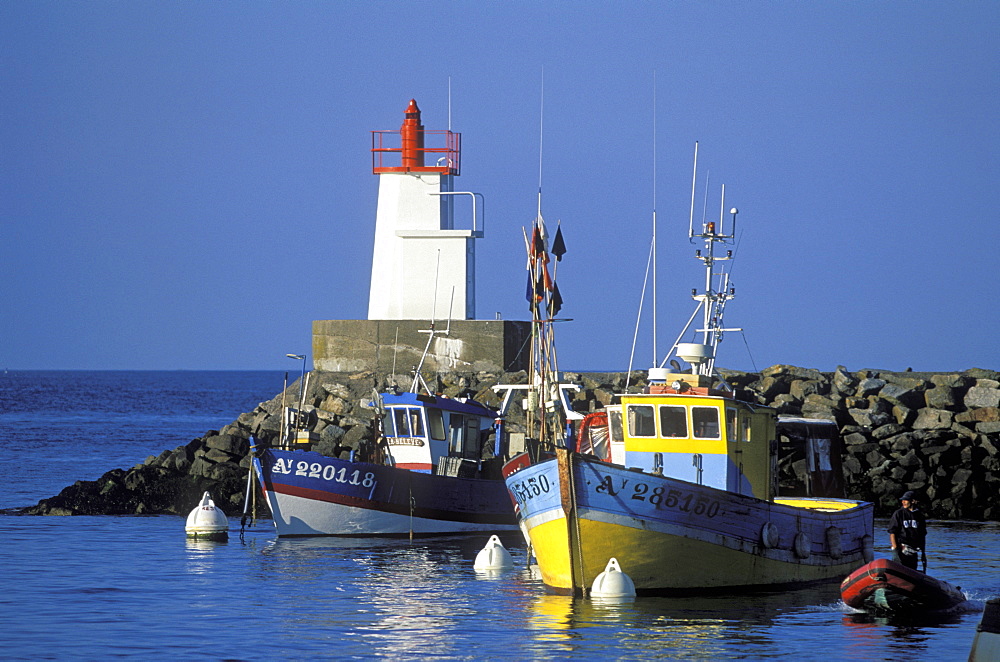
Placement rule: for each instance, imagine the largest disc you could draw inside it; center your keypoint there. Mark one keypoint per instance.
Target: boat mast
(537, 249)
(713, 297)
(655, 353)
(545, 405)
(712, 300)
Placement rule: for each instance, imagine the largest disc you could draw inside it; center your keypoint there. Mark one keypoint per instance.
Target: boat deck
(818, 503)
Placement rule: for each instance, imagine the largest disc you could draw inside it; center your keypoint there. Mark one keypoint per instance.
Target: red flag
(537, 245)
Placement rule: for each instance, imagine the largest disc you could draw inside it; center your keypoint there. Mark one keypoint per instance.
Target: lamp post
(302, 384)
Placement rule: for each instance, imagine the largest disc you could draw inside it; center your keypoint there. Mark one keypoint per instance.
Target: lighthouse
(423, 270)
(423, 265)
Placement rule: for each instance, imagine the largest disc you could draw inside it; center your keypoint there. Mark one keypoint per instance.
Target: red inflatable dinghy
(884, 586)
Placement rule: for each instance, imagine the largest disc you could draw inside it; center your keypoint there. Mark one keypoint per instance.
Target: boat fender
(868, 548)
(801, 546)
(769, 536)
(493, 557)
(833, 542)
(612, 583)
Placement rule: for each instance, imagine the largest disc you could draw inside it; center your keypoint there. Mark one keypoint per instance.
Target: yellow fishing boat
(701, 514)
(679, 483)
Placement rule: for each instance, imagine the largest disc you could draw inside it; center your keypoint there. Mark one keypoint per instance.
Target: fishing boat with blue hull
(425, 475)
(678, 535)
(679, 483)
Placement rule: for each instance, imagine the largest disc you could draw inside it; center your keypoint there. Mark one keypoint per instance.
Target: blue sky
(188, 185)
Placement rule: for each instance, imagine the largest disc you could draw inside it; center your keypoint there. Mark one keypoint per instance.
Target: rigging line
(638, 317)
(697, 309)
(395, 347)
(520, 349)
(736, 250)
(749, 353)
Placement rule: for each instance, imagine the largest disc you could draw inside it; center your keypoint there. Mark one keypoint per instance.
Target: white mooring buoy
(207, 521)
(493, 557)
(612, 583)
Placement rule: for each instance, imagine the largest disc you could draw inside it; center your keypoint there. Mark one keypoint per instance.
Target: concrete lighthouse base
(395, 346)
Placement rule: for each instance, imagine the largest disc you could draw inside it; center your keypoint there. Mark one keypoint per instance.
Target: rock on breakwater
(934, 433)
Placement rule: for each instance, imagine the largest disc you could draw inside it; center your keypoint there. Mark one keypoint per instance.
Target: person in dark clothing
(907, 532)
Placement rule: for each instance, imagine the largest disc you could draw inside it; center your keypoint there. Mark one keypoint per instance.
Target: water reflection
(200, 557)
(398, 598)
(687, 626)
(552, 617)
(877, 637)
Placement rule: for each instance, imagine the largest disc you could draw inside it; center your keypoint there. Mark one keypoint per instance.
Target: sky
(187, 185)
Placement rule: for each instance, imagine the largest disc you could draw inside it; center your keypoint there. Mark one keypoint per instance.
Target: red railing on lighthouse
(413, 152)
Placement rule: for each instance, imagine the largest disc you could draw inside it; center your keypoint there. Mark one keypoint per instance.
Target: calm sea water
(98, 587)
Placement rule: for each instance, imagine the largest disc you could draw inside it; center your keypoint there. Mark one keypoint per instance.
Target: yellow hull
(658, 561)
(688, 538)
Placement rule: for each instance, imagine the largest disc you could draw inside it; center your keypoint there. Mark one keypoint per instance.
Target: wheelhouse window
(409, 422)
(463, 436)
(402, 423)
(673, 421)
(615, 424)
(705, 421)
(435, 423)
(641, 422)
(456, 433)
(732, 431)
(416, 417)
(471, 449)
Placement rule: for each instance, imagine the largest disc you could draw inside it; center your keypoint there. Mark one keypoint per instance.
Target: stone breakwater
(934, 433)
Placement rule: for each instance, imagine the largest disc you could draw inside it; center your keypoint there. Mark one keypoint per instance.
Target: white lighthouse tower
(423, 271)
(423, 267)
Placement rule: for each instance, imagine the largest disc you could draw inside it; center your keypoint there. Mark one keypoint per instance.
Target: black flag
(556, 300)
(558, 245)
